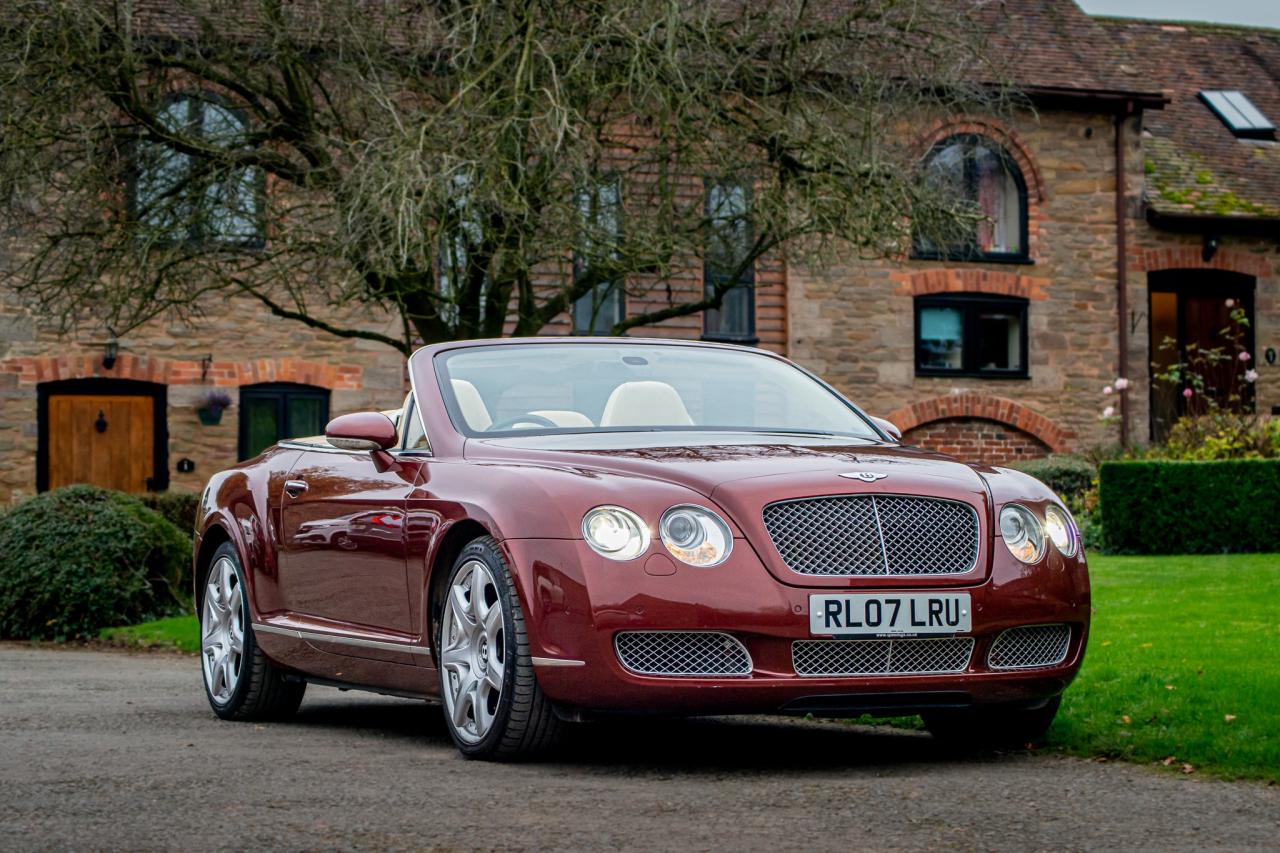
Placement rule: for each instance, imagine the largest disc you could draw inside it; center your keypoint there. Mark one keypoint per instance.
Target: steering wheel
(527, 417)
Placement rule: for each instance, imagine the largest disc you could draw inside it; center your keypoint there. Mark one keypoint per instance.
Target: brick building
(1136, 191)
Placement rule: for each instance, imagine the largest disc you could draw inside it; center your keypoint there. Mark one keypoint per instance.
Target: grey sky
(1258, 13)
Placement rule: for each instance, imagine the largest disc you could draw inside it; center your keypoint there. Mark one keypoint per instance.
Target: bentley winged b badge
(864, 476)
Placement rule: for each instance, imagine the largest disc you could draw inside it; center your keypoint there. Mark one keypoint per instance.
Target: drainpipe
(1122, 272)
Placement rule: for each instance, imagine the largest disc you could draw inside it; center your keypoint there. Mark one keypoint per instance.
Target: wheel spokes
(222, 630)
(471, 655)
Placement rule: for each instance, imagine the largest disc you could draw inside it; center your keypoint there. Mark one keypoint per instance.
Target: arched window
(982, 178)
(182, 198)
(272, 411)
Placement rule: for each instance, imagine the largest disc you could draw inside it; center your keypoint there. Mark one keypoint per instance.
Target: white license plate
(902, 614)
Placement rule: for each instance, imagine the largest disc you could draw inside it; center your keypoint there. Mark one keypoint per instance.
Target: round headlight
(1022, 533)
(616, 533)
(695, 535)
(1061, 530)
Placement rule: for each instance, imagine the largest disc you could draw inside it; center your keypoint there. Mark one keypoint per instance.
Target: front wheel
(993, 726)
(493, 706)
(238, 679)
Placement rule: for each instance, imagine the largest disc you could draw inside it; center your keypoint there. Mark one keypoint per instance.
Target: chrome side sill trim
(340, 639)
(556, 662)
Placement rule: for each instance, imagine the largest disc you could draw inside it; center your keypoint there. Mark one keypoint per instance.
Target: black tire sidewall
(486, 554)
(228, 709)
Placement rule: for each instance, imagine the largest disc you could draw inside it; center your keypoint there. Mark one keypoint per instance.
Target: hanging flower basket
(211, 407)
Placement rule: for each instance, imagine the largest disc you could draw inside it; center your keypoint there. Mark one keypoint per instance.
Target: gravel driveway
(113, 750)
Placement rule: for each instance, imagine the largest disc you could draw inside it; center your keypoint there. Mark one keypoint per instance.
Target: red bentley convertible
(553, 529)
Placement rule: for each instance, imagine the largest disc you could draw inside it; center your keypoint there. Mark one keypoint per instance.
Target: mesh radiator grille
(818, 658)
(682, 653)
(1030, 647)
(874, 535)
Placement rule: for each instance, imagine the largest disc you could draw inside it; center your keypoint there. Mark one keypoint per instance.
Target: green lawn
(178, 632)
(1183, 665)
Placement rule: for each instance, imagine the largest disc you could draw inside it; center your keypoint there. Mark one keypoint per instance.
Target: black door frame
(98, 386)
(1224, 284)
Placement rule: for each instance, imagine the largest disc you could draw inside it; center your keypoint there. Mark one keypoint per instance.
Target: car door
(342, 556)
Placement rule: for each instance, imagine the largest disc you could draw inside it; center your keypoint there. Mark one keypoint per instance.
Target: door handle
(295, 487)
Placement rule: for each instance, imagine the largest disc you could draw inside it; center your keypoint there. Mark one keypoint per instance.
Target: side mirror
(361, 431)
(887, 426)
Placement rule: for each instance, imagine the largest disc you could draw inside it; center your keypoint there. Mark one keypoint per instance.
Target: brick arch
(167, 371)
(970, 280)
(1013, 144)
(1190, 257)
(970, 405)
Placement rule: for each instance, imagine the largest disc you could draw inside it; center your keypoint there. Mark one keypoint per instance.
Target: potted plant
(211, 407)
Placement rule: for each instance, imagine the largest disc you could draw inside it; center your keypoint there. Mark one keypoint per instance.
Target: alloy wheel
(222, 631)
(473, 652)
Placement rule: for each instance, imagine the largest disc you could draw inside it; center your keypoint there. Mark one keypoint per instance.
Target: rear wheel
(993, 726)
(493, 706)
(238, 679)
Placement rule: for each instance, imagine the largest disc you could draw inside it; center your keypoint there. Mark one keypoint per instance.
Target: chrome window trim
(293, 444)
(340, 639)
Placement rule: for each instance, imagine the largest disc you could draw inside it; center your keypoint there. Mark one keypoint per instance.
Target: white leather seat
(473, 409)
(645, 403)
(564, 417)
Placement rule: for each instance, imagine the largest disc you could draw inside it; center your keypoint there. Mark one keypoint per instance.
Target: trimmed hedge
(1161, 506)
(1069, 476)
(179, 508)
(79, 559)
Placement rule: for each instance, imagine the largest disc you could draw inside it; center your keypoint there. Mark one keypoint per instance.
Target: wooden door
(104, 440)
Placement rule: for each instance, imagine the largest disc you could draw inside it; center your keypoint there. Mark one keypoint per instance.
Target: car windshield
(575, 388)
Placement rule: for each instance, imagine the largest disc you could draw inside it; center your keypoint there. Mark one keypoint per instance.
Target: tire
(493, 706)
(240, 685)
(993, 726)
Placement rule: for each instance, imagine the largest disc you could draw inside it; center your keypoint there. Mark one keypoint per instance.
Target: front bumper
(576, 603)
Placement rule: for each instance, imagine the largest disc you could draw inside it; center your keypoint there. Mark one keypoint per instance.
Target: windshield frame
(440, 357)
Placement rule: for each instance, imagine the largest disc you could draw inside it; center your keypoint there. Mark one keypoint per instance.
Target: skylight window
(1239, 114)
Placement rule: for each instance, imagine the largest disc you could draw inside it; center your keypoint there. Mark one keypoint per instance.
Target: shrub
(179, 508)
(1161, 506)
(1223, 436)
(81, 558)
(1069, 476)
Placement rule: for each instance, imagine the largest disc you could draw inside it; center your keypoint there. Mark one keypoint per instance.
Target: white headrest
(564, 417)
(474, 411)
(645, 404)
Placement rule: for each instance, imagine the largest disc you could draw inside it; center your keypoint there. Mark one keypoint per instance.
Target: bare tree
(471, 166)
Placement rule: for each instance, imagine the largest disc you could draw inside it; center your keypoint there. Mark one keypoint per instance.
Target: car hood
(742, 473)
(716, 464)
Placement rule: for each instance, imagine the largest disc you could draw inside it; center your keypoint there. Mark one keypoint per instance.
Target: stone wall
(236, 343)
(854, 324)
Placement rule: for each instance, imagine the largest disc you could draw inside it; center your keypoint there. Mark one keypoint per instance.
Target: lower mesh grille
(1030, 647)
(682, 653)
(818, 658)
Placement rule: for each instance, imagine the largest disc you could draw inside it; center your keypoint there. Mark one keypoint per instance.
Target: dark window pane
(599, 231)
(262, 425)
(999, 340)
(941, 344)
(306, 416)
(728, 208)
(178, 202)
(272, 412)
